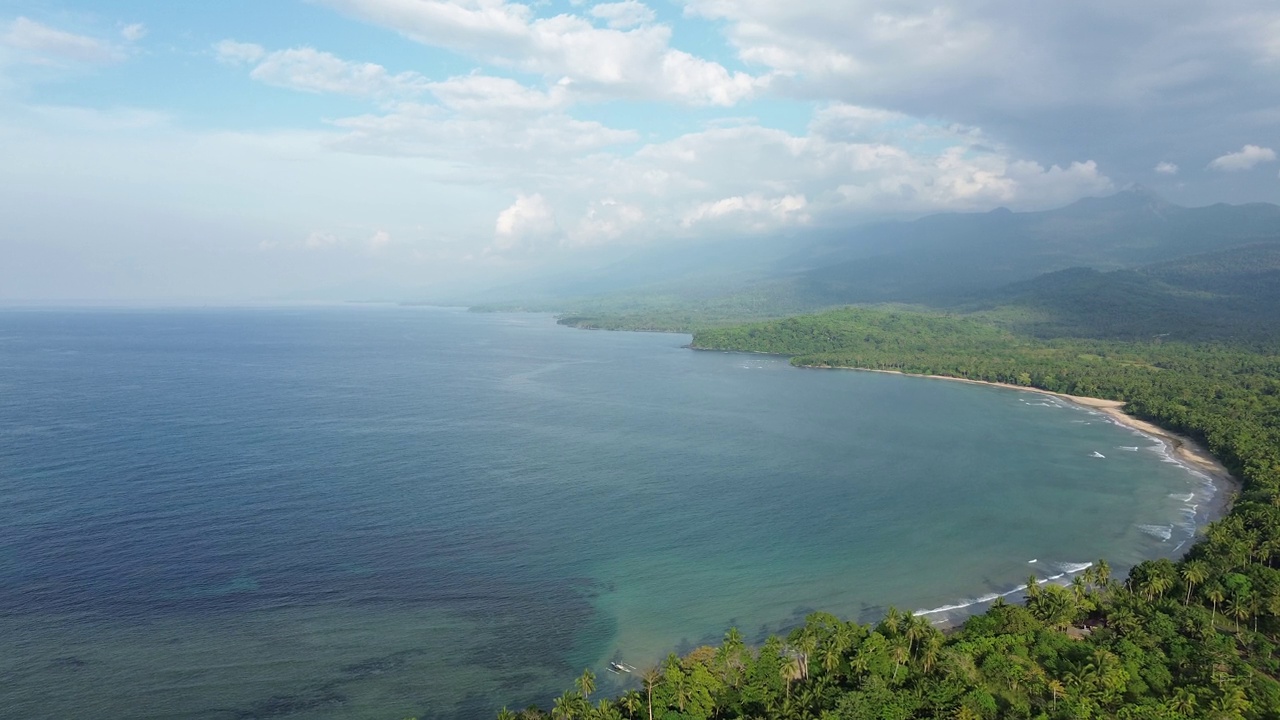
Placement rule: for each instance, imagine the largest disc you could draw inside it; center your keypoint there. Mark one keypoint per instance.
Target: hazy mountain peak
(1133, 198)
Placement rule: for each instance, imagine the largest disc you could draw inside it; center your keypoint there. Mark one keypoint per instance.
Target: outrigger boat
(617, 667)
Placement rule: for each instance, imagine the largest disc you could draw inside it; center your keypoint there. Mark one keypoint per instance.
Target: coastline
(1181, 448)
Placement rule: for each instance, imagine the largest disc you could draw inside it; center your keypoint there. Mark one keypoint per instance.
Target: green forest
(1190, 639)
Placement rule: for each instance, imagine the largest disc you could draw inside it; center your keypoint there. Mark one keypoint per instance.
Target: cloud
(528, 220)
(852, 164)
(133, 32)
(1166, 168)
(43, 45)
(311, 70)
(606, 220)
(231, 52)
(379, 240)
(754, 211)
(635, 63)
(485, 140)
(623, 14)
(1246, 158)
(1032, 75)
(485, 94)
(314, 71)
(318, 240)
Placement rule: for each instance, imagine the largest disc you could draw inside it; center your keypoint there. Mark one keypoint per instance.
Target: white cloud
(44, 45)
(1166, 168)
(605, 221)
(379, 240)
(231, 52)
(637, 62)
(318, 240)
(628, 13)
(1244, 159)
(528, 220)
(484, 94)
(488, 140)
(133, 32)
(314, 71)
(754, 211)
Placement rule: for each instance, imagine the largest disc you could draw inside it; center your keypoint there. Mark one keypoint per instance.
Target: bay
(378, 512)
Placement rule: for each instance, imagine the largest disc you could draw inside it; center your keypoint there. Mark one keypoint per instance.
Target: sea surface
(382, 512)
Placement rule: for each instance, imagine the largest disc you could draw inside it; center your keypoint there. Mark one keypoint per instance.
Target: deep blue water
(381, 512)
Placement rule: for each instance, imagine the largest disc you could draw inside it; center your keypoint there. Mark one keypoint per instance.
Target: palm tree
(1215, 595)
(1056, 688)
(630, 702)
(586, 684)
(1033, 587)
(566, 706)
(1103, 573)
(1079, 589)
(917, 629)
(651, 677)
(900, 653)
(606, 711)
(930, 650)
(792, 670)
(1238, 608)
(1194, 572)
(1184, 702)
(892, 620)
(505, 714)
(832, 656)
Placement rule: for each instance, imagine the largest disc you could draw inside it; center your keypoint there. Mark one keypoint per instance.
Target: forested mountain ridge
(970, 261)
(1230, 295)
(940, 258)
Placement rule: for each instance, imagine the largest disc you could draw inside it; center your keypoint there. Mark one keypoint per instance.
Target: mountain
(943, 258)
(1224, 295)
(951, 260)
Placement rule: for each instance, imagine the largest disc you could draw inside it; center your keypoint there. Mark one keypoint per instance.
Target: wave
(1130, 448)
(1066, 568)
(1164, 532)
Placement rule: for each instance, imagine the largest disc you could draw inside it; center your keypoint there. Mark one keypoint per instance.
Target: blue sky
(245, 150)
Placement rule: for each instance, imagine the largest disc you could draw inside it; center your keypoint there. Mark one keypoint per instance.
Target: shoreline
(1182, 449)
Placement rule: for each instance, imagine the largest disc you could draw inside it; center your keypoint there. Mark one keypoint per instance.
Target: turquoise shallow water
(381, 512)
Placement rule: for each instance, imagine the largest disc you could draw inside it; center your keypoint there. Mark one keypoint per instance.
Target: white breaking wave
(1067, 569)
(1164, 532)
(1129, 448)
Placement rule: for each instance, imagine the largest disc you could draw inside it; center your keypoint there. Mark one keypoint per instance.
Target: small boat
(1098, 454)
(618, 667)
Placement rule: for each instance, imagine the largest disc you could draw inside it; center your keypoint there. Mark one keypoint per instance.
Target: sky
(248, 150)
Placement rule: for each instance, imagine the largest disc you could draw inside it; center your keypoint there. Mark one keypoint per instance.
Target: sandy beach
(1183, 448)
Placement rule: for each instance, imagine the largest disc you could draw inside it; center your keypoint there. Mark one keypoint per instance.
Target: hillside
(957, 261)
(1230, 295)
(943, 258)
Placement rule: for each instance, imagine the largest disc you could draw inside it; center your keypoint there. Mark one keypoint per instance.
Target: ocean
(385, 512)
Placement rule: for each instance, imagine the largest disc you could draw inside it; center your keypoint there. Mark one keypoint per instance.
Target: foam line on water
(1164, 532)
(1067, 569)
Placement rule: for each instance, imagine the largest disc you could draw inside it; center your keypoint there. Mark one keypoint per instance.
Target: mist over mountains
(1085, 265)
